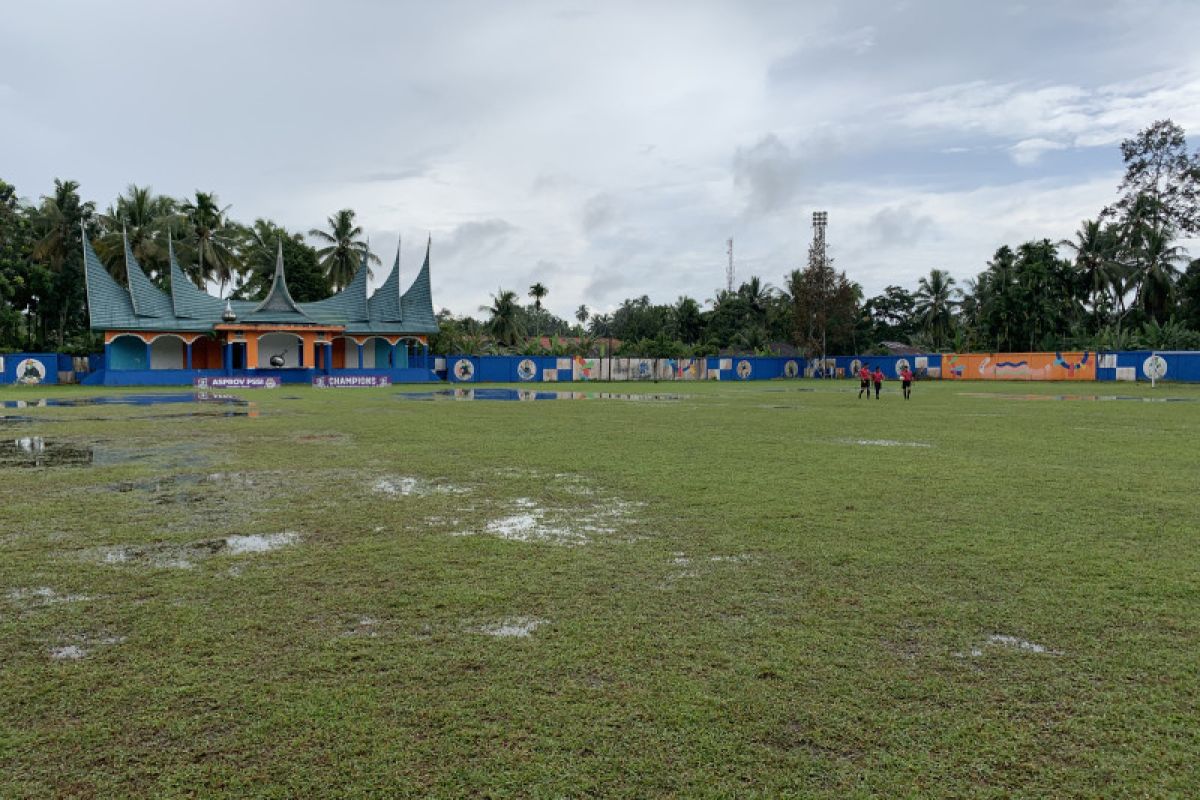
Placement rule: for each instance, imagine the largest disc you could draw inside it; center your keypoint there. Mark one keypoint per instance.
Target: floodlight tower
(817, 257)
(729, 268)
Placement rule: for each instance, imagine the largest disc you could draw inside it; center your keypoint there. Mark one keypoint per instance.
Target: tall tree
(145, 220)
(19, 276)
(210, 244)
(936, 299)
(1095, 250)
(343, 251)
(538, 292)
(1162, 178)
(582, 314)
(504, 318)
(60, 248)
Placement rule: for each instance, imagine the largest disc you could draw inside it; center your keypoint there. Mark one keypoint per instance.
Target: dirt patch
(529, 521)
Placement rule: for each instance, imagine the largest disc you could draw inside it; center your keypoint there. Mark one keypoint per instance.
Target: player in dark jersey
(906, 377)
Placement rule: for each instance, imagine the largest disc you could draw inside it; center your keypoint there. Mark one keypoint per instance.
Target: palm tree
(344, 251)
(1095, 262)
(1157, 273)
(258, 244)
(144, 219)
(537, 292)
(505, 320)
(757, 296)
(582, 314)
(688, 322)
(936, 299)
(212, 240)
(60, 248)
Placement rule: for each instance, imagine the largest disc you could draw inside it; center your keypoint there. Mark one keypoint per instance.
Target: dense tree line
(1123, 281)
(42, 291)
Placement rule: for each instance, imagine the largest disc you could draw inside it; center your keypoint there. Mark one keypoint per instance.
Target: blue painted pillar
(360, 356)
(328, 350)
(108, 356)
(395, 360)
(227, 357)
(148, 355)
(189, 355)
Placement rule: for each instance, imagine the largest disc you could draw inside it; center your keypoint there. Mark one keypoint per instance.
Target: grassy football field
(736, 590)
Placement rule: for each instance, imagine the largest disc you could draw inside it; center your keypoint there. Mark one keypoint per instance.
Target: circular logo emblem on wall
(464, 370)
(526, 369)
(901, 365)
(1154, 368)
(31, 371)
(271, 383)
(791, 369)
(855, 366)
(744, 369)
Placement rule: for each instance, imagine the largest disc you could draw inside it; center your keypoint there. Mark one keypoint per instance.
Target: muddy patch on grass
(512, 627)
(80, 646)
(407, 485)
(697, 566)
(36, 596)
(525, 520)
(884, 443)
(39, 452)
(1006, 642)
(165, 555)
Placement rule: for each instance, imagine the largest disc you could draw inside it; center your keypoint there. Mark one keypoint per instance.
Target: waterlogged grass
(760, 589)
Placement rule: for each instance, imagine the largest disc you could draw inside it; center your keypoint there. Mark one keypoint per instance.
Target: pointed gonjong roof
(143, 306)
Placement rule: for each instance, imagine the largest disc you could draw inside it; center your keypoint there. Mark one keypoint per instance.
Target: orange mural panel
(1079, 366)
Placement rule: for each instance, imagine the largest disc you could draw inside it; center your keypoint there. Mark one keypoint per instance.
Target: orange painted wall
(1019, 366)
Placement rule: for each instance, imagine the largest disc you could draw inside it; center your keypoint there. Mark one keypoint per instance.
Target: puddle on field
(128, 400)
(513, 627)
(44, 596)
(1007, 642)
(82, 645)
(1093, 397)
(186, 556)
(36, 451)
(884, 443)
(534, 394)
(406, 486)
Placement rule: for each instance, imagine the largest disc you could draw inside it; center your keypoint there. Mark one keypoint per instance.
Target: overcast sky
(608, 149)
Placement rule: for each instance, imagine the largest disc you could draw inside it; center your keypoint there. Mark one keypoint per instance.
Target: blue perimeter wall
(49, 361)
(1183, 366)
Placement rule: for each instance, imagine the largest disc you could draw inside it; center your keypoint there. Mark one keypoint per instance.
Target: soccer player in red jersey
(864, 381)
(878, 377)
(906, 377)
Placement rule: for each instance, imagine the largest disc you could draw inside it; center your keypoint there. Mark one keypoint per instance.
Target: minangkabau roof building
(151, 336)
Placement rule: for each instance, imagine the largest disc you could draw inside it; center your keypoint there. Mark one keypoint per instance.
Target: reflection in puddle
(128, 400)
(406, 486)
(1100, 397)
(532, 394)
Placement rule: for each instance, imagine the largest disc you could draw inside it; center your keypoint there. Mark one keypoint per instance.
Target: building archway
(287, 346)
(128, 351)
(377, 353)
(168, 351)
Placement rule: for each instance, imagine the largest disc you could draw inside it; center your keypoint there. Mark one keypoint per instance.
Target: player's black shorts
(864, 384)
(905, 384)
